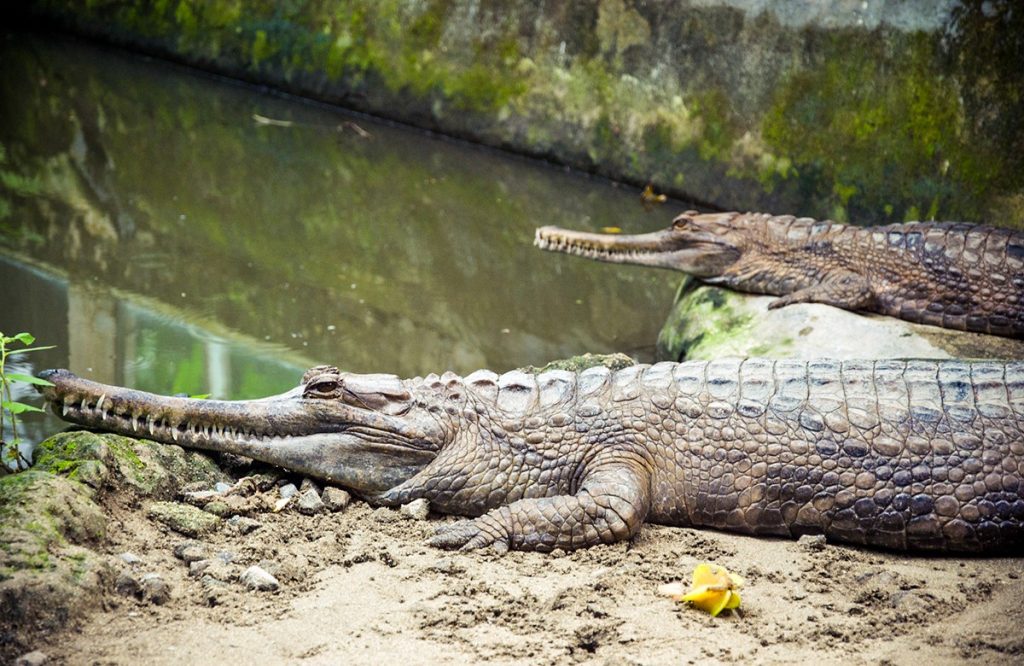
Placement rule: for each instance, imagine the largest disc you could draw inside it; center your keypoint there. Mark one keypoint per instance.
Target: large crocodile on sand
(894, 454)
(960, 276)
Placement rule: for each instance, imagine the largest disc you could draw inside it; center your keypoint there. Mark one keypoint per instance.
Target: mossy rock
(581, 362)
(710, 322)
(148, 468)
(48, 574)
(183, 518)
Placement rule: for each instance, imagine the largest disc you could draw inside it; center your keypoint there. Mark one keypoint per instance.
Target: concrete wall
(867, 111)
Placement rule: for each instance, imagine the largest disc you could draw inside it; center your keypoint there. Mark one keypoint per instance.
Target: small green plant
(10, 408)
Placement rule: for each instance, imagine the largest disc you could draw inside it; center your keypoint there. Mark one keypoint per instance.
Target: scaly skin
(905, 455)
(959, 276)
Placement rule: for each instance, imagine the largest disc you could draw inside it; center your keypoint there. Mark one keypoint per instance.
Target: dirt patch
(360, 585)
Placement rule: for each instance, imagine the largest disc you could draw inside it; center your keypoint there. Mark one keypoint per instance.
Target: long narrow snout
(360, 449)
(696, 252)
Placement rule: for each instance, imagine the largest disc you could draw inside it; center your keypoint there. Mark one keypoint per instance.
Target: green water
(182, 233)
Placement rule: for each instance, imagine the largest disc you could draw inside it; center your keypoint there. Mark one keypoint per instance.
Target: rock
(155, 589)
(131, 559)
(417, 509)
(200, 497)
(128, 585)
(34, 658)
(183, 518)
(282, 503)
(256, 578)
(309, 484)
(310, 502)
(812, 542)
(214, 568)
(226, 556)
(222, 487)
(190, 551)
(218, 508)
(287, 490)
(243, 525)
(616, 361)
(335, 499)
(710, 322)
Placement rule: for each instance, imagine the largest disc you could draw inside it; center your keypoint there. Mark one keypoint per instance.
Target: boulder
(711, 322)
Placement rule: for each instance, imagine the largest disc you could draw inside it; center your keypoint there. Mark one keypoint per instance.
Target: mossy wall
(863, 113)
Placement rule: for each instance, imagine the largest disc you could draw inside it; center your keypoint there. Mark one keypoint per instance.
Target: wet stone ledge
(863, 112)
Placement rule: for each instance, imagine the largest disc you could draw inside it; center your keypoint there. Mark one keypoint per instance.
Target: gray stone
(287, 490)
(213, 568)
(190, 551)
(812, 542)
(200, 497)
(417, 509)
(310, 502)
(222, 487)
(256, 578)
(243, 524)
(155, 589)
(335, 499)
(34, 658)
(128, 585)
(130, 559)
(309, 484)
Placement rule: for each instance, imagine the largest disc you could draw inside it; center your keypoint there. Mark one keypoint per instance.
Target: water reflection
(331, 238)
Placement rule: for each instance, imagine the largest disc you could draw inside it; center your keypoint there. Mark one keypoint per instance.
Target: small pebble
(155, 589)
(282, 503)
(417, 509)
(222, 487)
(309, 484)
(287, 490)
(127, 585)
(200, 497)
(256, 578)
(244, 525)
(812, 542)
(190, 551)
(335, 499)
(130, 559)
(310, 503)
(34, 658)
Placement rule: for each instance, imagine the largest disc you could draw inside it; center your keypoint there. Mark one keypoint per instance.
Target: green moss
(874, 134)
(584, 361)
(703, 321)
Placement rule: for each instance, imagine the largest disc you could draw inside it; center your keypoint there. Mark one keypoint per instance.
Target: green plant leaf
(24, 338)
(27, 379)
(32, 349)
(18, 407)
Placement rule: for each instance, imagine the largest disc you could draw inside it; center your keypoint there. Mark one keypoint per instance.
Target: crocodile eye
(322, 387)
(683, 221)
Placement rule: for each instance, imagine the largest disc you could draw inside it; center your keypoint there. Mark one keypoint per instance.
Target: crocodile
(955, 275)
(922, 455)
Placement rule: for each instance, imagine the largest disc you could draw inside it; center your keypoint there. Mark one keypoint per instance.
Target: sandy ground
(360, 586)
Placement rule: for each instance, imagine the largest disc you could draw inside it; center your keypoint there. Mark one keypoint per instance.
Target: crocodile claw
(469, 535)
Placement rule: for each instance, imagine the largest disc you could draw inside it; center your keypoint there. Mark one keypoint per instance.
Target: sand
(361, 586)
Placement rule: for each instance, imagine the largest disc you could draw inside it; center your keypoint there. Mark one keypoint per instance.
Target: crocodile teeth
(149, 422)
(99, 403)
(174, 434)
(64, 409)
(135, 423)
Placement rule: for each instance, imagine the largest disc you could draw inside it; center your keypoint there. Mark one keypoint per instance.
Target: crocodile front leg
(847, 290)
(610, 506)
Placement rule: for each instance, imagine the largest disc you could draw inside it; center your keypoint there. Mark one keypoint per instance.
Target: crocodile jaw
(698, 253)
(359, 449)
